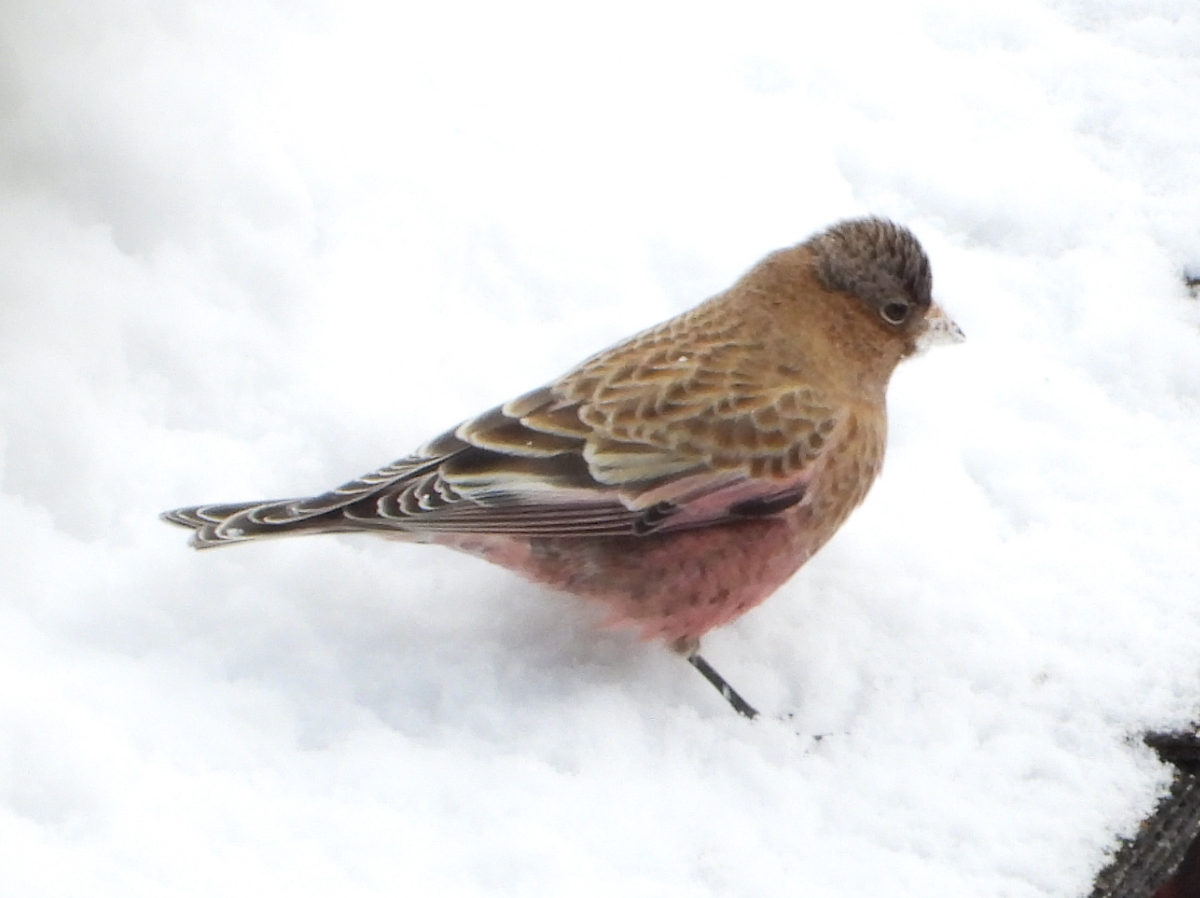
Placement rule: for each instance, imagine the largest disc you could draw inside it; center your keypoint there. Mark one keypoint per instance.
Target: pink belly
(675, 586)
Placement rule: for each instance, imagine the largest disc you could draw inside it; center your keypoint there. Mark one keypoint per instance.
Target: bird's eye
(894, 312)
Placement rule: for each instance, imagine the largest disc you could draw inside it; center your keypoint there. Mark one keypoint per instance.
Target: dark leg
(739, 704)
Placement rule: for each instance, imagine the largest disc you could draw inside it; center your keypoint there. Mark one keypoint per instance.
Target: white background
(254, 249)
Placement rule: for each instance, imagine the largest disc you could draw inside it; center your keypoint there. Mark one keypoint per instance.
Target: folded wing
(617, 453)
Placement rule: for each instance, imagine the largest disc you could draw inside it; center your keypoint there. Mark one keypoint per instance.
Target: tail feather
(239, 522)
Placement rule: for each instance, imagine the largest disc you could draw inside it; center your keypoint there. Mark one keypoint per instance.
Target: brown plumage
(681, 476)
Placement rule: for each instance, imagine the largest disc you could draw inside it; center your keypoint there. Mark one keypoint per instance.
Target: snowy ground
(254, 249)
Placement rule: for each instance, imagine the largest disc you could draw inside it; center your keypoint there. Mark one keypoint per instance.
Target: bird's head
(883, 266)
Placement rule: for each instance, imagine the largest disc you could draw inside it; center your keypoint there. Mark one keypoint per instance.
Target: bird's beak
(940, 329)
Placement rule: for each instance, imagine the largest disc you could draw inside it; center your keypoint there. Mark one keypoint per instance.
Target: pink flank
(676, 586)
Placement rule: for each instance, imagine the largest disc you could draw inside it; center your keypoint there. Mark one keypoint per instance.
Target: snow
(255, 249)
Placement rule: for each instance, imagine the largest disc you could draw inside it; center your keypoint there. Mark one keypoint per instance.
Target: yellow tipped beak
(940, 329)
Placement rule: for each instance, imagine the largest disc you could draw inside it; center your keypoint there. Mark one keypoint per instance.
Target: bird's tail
(238, 522)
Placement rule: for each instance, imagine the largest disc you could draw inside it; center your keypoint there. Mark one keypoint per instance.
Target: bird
(681, 476)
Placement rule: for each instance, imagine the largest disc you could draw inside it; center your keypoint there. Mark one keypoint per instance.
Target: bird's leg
(690, 649)
(730, 695)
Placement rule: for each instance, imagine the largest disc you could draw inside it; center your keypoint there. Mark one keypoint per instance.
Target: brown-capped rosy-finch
(681, 476)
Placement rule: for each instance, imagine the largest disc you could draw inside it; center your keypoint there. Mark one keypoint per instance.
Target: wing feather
(655, 434)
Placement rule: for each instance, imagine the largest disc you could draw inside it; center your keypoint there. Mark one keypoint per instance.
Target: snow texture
(255, 249)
